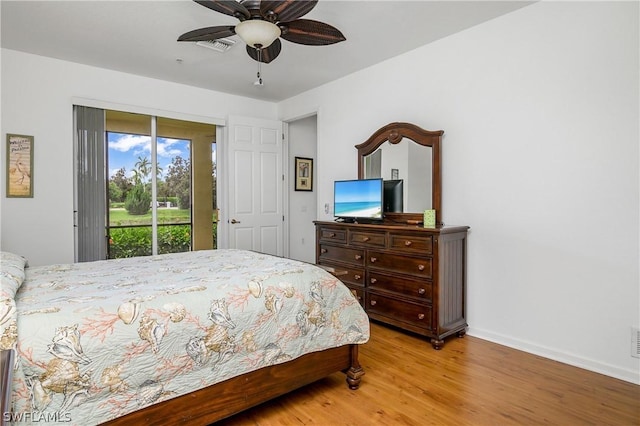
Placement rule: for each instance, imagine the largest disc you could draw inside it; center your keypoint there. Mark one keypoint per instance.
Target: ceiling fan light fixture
(258, 33)
(263, 23)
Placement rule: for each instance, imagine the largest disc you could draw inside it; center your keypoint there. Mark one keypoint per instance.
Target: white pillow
(11, 278)
(11, 273)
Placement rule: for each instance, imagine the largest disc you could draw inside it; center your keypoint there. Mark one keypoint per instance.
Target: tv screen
(393, 196)
(358, 199)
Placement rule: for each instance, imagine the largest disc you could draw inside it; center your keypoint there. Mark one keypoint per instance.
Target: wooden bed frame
(216, 402)
(6, 370)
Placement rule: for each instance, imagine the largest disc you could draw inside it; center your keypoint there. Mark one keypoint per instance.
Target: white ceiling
(139, 37)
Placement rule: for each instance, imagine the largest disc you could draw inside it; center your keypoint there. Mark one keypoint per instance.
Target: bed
(178, 338)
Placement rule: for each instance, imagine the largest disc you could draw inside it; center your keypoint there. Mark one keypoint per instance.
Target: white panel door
(255, 217)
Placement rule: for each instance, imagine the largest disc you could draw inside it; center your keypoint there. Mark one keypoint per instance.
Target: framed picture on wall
(19, 166)
(304, 174)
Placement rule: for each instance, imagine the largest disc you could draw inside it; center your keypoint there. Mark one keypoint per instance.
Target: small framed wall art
(19, 166)
(304, 174)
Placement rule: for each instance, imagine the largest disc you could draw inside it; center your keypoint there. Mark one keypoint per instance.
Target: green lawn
(125, 241)
(120, 217)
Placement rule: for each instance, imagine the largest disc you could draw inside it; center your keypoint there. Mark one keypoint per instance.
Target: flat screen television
(358, 200)
(393, 196)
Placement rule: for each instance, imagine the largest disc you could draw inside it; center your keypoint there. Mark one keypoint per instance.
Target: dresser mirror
(407, 152)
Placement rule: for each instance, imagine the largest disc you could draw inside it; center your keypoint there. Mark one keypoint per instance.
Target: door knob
(235, 221)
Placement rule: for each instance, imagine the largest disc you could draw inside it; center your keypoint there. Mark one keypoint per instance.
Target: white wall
(37, 97)
(540, 158)
(302, 204)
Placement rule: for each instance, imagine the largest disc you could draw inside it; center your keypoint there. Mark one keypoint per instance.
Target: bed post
(6, 378)
(354, 372)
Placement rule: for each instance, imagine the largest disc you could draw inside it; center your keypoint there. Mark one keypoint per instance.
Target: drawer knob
(323, 250)
(358, 256)
(357, 277)
(408, 243)
(422, 291)
(373, 303)
(421, 267)
(374, 259)
(332, 234)
(420, 316)
(366, 239)
(373, 280)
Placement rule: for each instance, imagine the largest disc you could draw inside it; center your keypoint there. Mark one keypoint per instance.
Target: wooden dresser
(404, 275)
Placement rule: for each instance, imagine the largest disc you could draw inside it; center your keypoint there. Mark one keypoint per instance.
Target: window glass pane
(188, 175)
(174, 195)
(129, 176)
(174, 180)
(129, 184)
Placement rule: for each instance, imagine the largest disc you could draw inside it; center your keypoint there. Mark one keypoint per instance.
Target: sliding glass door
(158, 186)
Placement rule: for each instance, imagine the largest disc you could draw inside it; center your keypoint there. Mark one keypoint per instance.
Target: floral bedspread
(101, 339)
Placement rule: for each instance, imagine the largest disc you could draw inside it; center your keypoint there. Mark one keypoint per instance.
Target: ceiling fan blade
(228, 7)
(311, 33)
(285, 10)
(209, 33)
(268, 54)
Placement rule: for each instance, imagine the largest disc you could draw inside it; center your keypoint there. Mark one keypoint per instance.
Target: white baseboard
(566, 358)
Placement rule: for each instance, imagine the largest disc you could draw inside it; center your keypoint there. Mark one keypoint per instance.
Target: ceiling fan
(263, 22)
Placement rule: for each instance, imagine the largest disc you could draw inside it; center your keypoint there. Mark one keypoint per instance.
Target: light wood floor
(469, 382)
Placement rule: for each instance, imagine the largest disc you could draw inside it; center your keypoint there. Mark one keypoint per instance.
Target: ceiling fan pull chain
(259, 80)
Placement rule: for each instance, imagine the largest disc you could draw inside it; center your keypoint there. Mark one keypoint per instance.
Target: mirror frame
(394, 133)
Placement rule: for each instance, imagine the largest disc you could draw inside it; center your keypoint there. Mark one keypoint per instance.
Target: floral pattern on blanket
(11, 278)
(98, 340)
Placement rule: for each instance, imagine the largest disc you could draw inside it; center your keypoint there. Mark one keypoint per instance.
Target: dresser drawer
(341, 254)
(412, 313)
(353, 276)
(420, 289)
(328, 234)
(367, 239)
(411, 243)
(358, 293)
(417, 266)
